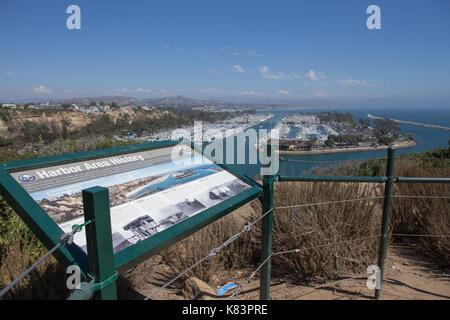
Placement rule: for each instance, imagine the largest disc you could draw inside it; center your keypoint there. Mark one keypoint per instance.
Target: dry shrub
(423, 216)
(324, 227)
(132, 282)
(327, 225)
(300, 228)
(47, 281)
(239, 254)
(19, 249)
(408, 215)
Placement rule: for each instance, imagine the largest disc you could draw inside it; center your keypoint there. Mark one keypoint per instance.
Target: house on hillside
(9, 105)
(295, 145)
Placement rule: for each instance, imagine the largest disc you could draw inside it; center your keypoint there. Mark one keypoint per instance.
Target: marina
(426, 138)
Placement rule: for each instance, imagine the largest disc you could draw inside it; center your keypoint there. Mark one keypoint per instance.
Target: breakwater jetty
(413, 123)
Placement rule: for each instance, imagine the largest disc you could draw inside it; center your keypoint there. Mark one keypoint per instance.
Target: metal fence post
(385, 218)
(266, 233)
(99, 241)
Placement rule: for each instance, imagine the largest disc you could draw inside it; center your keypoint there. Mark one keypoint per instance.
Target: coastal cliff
(396, 145)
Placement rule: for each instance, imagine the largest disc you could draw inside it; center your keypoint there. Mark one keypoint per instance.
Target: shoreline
(397, 145)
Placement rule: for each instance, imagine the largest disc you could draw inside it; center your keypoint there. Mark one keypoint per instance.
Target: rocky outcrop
(13, 121)
(196, 289)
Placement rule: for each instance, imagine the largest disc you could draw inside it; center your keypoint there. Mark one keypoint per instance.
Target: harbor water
(426, 138)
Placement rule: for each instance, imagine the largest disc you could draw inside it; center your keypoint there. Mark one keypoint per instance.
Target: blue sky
(249, 50)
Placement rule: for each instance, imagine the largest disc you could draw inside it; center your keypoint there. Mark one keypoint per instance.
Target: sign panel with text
(148, 191)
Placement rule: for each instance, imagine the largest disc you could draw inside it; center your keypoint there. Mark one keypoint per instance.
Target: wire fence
(329, 202)
(247, 281)
(240, 287)
(67, 239)
(420, 197)
(211, 254)
(246, 228)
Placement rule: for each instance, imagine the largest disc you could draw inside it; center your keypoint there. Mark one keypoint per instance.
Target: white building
(9, 105)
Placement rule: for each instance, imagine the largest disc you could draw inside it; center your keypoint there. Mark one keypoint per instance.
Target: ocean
(426, 138)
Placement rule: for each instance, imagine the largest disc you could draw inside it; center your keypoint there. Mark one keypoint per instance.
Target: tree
(329, 142)
(365, 123)
(387, 126)
(114, 106)
(386, 130)
(312, 141)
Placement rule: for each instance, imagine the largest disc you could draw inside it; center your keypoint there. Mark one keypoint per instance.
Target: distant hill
(172, 102)
(180, 102)
(105, 99)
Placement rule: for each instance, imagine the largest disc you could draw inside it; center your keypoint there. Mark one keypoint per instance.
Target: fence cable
(420, 235)
(211, 254)
(66, 239)
(420, 158)
(420, 197)
(329, 202)
(359, 160)
(358, 199)
(247, 280)
(282, 159)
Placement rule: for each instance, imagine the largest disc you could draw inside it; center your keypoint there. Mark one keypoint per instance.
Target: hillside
(14, 122)
(166, 102)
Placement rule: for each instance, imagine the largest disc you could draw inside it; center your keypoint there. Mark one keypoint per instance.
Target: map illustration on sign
(148, 192)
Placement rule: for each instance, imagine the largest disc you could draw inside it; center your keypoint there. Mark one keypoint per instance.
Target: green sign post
(266, 231)
(99, 242)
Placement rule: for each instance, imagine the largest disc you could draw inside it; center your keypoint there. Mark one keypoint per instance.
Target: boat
(183, 174)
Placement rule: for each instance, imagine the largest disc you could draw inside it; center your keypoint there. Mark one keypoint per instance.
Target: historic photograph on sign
(148, 192)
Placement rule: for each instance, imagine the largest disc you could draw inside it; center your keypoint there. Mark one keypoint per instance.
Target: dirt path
(408, 276)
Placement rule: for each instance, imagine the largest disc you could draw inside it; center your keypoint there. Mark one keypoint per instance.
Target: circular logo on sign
(27, 178)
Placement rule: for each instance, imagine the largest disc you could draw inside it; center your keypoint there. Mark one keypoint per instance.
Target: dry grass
(423, 216)
(239, 254)
(325, 227)
(332, 228)
(293, 228)
(46, 282)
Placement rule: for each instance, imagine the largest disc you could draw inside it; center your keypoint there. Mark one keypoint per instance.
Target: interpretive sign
(149, 192)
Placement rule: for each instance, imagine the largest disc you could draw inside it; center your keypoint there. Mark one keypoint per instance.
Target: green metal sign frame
(48, 232)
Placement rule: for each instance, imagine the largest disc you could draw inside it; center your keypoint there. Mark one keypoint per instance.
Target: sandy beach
(397, 145)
